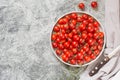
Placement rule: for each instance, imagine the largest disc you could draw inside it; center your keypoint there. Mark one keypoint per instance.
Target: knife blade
(103, 61)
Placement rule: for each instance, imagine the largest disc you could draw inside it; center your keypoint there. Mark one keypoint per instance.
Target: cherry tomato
(85, 16)
(54, 44)
(96, 24)
(90, 19)
(74, 31)
(81, 41)
(90, 35)
(62, 36)
(74, 22)
(96, 52)
(64, 58)
(82, 27)
(66, 27)
(85, 22)
(75, 44)
(94, 4)
(66, 44)
(87, 58)
(73, 61)
(56, 29)
(96, 29)
(67, 53)
(71, 26)
(57, 40)
(84, 35)
(90, 28)
(80, 62)
(61, 47)
(100, 41)
(90, 42)
(74, 15)
(79, 56)
(79, 19)
(76, 37)
(81, 6)
(89, 52)
(92, 56)
(85, 48)
(68, 17)
(53, 37)
(94, 47)
(70, 35)
(58, 52)
(99, 47)
(96, 35)
(61, 27)
(101, 34)
(74, 50)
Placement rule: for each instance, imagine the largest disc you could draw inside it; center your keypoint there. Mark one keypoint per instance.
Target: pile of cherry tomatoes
(77, 39)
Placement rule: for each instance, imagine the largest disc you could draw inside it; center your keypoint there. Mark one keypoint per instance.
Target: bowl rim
(101, 27)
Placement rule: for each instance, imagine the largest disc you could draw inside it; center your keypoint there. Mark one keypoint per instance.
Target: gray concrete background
(25, 27)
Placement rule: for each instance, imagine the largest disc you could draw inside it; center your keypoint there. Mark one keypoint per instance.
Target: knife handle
(98, 66)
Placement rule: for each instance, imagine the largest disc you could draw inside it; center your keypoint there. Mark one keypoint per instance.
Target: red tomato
(89, 52)
(56, 29)
(74, 50)
(54, 44)
(76, 37)
(74, 15)
(84, 35)
(81, 41)
(100, 41)
(101, 34)
(62, 36)
(53, 37)
(57, 40)
(74, 21)
(90, 35)
(58, 52)
(92, 56)
(82, 27)
(96, 29)
(70, 35)
(79, 56)
(68, 54)
(74, 31)
(72, 62)
(90, 42)
(94, 47)
(96, 52)
(66, 44)
(68, 17)
(66, 27)
(85, 22)
(96, 36)
(64, 50)
(90, 19)
(61, 47)
(99, 47)
(87, 58)
(85, 16)
(81, 6)
(71, 26)
(90, 28)
(79, 19)
(96, 24)
(80, 62)
(61, 26)
(94, 4)
(75, 44)
(64, 58)
(85, 48)
(62, 21)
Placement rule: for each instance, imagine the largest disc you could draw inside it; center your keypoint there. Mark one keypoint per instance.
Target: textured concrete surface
(25, 27)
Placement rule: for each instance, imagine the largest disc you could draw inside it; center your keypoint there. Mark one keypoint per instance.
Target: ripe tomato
(79, 19)
(85, 22)
(74, 15)
(90, 42)
(100, 41)
(81, 6)
(66, 27)
(96, 52)
(92, 56)
(90, 28)
(73, 61)
(89, 52)
(82, 27)
(81, 41)
(54, 44)
(67, 53)
(94, 47)
(96, 24)
(99, 47)
(84, 35)
(74, 50)
(74, 31)
(96, 36)
(58, 52)
(86, 48)
(53, 37)
(75, 44)
(66, 44)
(64, 58)
(90, 19)
(85, 16)
(56, 29)
(94, 4)
(79, 56)
(70, 35)
(101, 34)
(62, 36)
(90, 35)
(87, 58)
(61, 47)
(63, 21)
(71, 26)
(57, 39)
(76, 37)
(74, 22)
(80, 62)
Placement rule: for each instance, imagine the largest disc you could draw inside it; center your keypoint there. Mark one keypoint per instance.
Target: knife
(103, 61)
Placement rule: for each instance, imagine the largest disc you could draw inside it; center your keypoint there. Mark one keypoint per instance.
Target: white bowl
(101, 29)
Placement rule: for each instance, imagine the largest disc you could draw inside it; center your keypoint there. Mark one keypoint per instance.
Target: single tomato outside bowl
(77, 39)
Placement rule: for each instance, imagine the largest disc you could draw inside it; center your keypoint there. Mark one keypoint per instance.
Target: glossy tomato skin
(74, 15)
(58, 52)
(94, 4)
(81, 6)
(64, 58)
